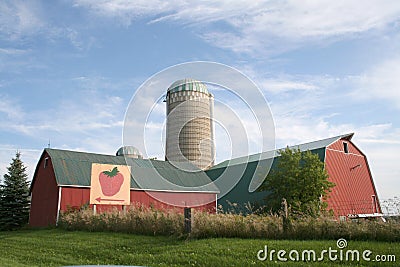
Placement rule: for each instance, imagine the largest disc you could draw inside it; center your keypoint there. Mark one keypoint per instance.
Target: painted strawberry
(111, 181)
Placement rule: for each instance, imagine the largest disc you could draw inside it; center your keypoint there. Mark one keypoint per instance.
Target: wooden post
(285, 215)
(188, 220)
(58, 205)
(124, 209)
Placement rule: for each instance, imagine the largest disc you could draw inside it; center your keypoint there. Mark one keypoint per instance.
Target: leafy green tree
(14, 196)
(301, 179)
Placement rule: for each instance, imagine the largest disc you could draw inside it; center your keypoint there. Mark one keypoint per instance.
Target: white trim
(344, 153)
(364, 215)
(216, 203)
(30, 207)
(79, 186)
(325, 158)
(175, 191)
(141, 189)
(58, 204)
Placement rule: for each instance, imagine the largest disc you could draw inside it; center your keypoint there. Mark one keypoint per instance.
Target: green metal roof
(74, 169)
(312, 146)
(188, 85)
(253, 169)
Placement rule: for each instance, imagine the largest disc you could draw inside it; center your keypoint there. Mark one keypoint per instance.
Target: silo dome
(129, 151)
(189, 127)
(188, 85)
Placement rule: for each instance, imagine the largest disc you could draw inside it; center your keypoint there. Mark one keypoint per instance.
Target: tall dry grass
(149, 221)
(136, 220)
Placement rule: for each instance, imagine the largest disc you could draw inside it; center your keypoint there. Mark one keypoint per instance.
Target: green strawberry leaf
(111, 173)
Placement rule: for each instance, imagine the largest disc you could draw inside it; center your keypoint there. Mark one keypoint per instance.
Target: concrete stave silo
(189, 129)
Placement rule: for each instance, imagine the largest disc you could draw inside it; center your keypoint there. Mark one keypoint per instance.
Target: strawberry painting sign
(110, 184)
(111, 181)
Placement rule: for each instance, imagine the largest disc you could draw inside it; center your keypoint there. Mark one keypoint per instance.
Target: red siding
(45, 191)
(44, 201)
(175, 200)
(339, 145)
(76, 197)
(354, 189)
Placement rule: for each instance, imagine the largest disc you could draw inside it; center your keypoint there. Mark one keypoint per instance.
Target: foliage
(147, 221)
(138, 219)
(14, 196)
(301, 179)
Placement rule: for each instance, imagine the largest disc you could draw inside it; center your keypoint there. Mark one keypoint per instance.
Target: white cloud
(12, 51)
(306, 108)
(20, 18)
(80, 117)
(381, 82)
(10, 108)
(249, 26)
(279, 86)
(380, 143)
(240, 26)
(28, 156)
(300, 128)
(77, 39)
(91, 119)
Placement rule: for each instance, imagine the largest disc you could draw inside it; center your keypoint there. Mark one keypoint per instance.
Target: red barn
(354, 194)
(62, 180)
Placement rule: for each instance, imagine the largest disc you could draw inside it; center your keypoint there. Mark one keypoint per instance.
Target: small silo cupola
(130, 152)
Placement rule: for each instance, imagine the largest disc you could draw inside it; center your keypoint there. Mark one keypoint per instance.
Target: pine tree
(14, 196)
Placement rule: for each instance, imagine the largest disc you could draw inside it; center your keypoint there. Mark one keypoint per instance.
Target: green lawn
(56, 247)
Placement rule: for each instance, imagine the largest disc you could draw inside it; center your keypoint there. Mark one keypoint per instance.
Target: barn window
(46, 161)
(345, 147)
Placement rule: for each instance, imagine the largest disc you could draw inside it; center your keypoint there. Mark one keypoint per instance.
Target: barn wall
(175, 200)
(44, 192)
(354, 192)
(73, 198)
(76, 197)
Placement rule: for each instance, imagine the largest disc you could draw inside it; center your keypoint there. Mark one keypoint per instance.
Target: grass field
(55, 247)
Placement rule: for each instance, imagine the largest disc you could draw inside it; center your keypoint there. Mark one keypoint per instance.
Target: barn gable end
(354, 194)
(44, 194)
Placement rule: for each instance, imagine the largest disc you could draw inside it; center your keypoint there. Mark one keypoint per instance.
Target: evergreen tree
(301, 179)
(14, 196)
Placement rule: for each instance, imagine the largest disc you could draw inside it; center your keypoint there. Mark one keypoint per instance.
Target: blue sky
(68, 69)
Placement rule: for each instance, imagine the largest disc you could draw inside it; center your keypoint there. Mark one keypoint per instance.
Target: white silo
(189, 129)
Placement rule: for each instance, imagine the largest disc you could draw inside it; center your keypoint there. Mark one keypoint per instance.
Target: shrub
(150, 221)
(138, 220)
